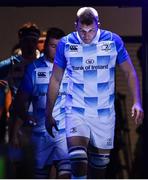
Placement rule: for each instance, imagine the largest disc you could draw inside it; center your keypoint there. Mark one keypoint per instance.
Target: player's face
(52, 47)
(87, 32)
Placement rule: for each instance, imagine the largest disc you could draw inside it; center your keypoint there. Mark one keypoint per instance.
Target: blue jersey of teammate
(35, 83)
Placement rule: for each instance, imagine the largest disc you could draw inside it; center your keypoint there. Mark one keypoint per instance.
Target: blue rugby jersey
(35, 83)
(91, 72)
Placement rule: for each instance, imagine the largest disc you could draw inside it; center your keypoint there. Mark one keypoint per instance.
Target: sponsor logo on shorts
(109, 142)
(73, 130)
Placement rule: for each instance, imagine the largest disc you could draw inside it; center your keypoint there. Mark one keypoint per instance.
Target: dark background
(73, 3)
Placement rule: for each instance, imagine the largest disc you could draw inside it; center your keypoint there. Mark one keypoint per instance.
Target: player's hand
(137, 113)
(50, 123)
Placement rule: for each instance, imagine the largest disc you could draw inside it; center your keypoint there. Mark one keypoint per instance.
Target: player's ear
(75, 25)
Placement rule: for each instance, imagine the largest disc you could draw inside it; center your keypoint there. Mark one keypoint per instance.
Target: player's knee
(64, 169)
(99, 161)
(78, 158)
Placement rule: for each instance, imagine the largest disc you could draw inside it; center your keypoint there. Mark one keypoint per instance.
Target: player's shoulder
(37, 63)
(72, 38)
(109, 35)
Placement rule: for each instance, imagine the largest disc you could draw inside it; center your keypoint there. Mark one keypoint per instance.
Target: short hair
(53, 32)
(29, 30)
(87, 15)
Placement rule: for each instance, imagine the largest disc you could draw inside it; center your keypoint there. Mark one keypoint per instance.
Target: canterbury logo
(73, 48)
(41, 74)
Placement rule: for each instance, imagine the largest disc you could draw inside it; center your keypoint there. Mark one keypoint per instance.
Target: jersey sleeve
(60, 59)
(122, 54)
